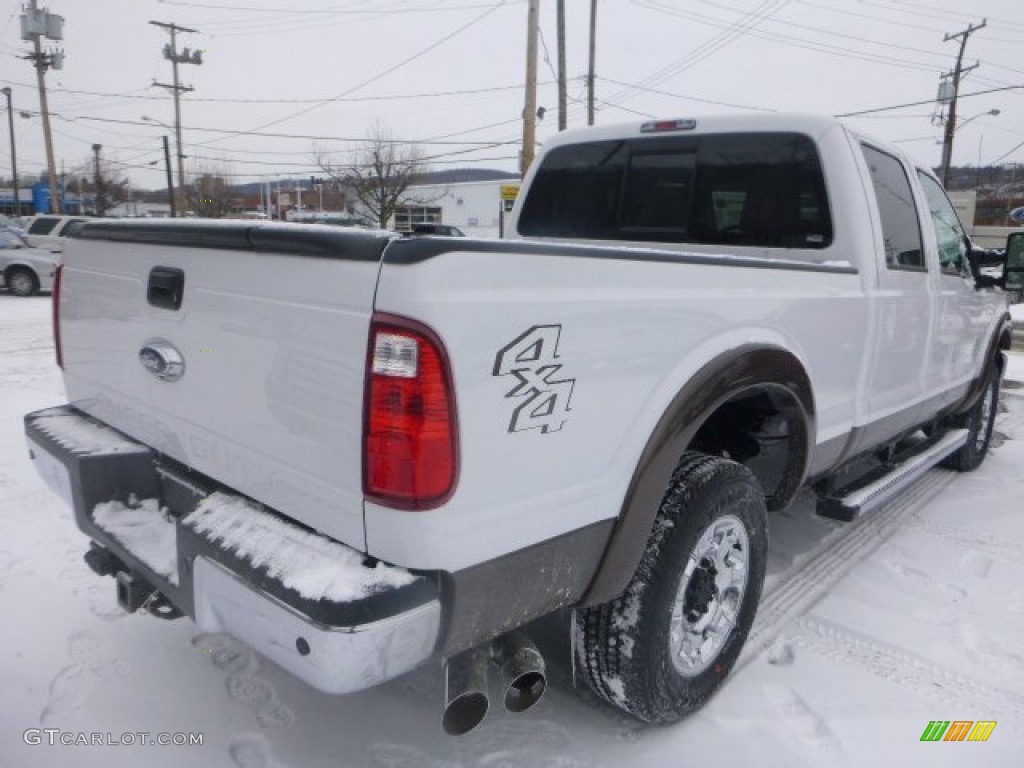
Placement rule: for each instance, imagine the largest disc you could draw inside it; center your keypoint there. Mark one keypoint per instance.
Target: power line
(893, 22)
(1007, 154)
(278, 164)
(313, 100)
(801, 42)
(928, 101)
(269, 134)
(833, 33)
(433, 8)
(384, 73)
(684, 96)
(730, 32)
(917, 10)
(604, 103)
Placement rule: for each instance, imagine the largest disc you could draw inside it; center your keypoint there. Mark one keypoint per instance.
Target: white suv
(50, 231)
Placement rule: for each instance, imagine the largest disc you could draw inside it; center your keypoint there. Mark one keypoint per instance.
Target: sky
(284, 85)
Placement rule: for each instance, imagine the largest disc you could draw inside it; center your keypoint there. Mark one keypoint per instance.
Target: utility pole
(562, 97)
(101, 186)
(958, 72)
(170, 181)
(185, 57)
(14, 155)
(530, 109)
(37, 23)
(590, 68)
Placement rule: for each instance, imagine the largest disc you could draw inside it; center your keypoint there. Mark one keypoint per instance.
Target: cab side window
(949, 234)
(900, 230)
(42, 226)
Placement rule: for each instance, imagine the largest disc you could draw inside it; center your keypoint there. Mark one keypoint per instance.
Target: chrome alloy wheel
(22, 284)
(710, 595)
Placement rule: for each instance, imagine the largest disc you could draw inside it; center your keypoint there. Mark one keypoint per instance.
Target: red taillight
(56, 315)
(410, 451)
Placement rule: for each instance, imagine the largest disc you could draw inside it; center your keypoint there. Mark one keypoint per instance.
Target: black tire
(21, 281)
(626, 646)
(978, 422)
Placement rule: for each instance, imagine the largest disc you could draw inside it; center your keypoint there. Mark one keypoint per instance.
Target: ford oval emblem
(160, 358)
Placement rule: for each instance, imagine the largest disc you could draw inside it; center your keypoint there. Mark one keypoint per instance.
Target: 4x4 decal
(532, 358)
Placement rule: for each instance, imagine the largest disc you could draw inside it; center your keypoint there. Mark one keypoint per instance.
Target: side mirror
(987, 265)
(1013, 266)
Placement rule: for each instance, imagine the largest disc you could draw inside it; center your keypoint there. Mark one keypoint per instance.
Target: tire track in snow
(985, 545)
(810, 581)
(900, 666)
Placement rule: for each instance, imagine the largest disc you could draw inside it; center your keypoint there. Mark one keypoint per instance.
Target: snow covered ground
(867, 632)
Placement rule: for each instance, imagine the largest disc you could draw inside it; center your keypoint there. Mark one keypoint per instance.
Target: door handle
(166, 287)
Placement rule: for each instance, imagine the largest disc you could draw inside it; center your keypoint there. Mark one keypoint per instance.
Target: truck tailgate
(272, 331)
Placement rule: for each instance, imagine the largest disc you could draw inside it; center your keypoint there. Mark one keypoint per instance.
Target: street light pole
(948, 145)
(167, 160)
(14, 154)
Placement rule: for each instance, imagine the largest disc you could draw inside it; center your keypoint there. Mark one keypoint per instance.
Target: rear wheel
(664, 647)
(22, 282)
(979, 422)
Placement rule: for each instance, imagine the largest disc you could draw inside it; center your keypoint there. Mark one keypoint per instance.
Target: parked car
(445, 230)
(50, 231)
(25, 271)
(16, 224)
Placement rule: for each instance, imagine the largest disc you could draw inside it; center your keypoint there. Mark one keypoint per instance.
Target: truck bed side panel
(630, 328)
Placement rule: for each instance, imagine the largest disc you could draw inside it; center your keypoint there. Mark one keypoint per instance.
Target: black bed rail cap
(293, 239)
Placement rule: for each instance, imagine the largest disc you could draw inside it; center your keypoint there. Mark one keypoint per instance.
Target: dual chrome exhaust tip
(521, 671)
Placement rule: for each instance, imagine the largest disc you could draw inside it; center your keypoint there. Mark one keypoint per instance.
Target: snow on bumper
(310, 604)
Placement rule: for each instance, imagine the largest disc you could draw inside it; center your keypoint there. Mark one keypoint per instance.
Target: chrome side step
(878, 487)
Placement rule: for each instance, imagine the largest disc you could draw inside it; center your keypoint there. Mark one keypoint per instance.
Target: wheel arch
(999, 342)
(14, 266)
(749, 380)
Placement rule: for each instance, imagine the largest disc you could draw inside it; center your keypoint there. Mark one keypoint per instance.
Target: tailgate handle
(166, 287)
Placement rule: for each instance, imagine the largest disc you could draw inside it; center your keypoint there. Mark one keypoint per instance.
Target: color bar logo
(958, 730)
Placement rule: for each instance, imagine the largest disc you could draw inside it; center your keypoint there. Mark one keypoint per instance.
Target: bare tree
(108, 190)
(379, 174)
(211, 195)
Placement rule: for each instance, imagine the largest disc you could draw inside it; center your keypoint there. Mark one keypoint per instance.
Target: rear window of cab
(754, 189)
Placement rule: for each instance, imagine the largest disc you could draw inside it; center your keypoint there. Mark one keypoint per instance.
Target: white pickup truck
(357, 452)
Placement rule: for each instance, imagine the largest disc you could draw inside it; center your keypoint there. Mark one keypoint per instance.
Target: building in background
(27, 208)
(475, 207)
